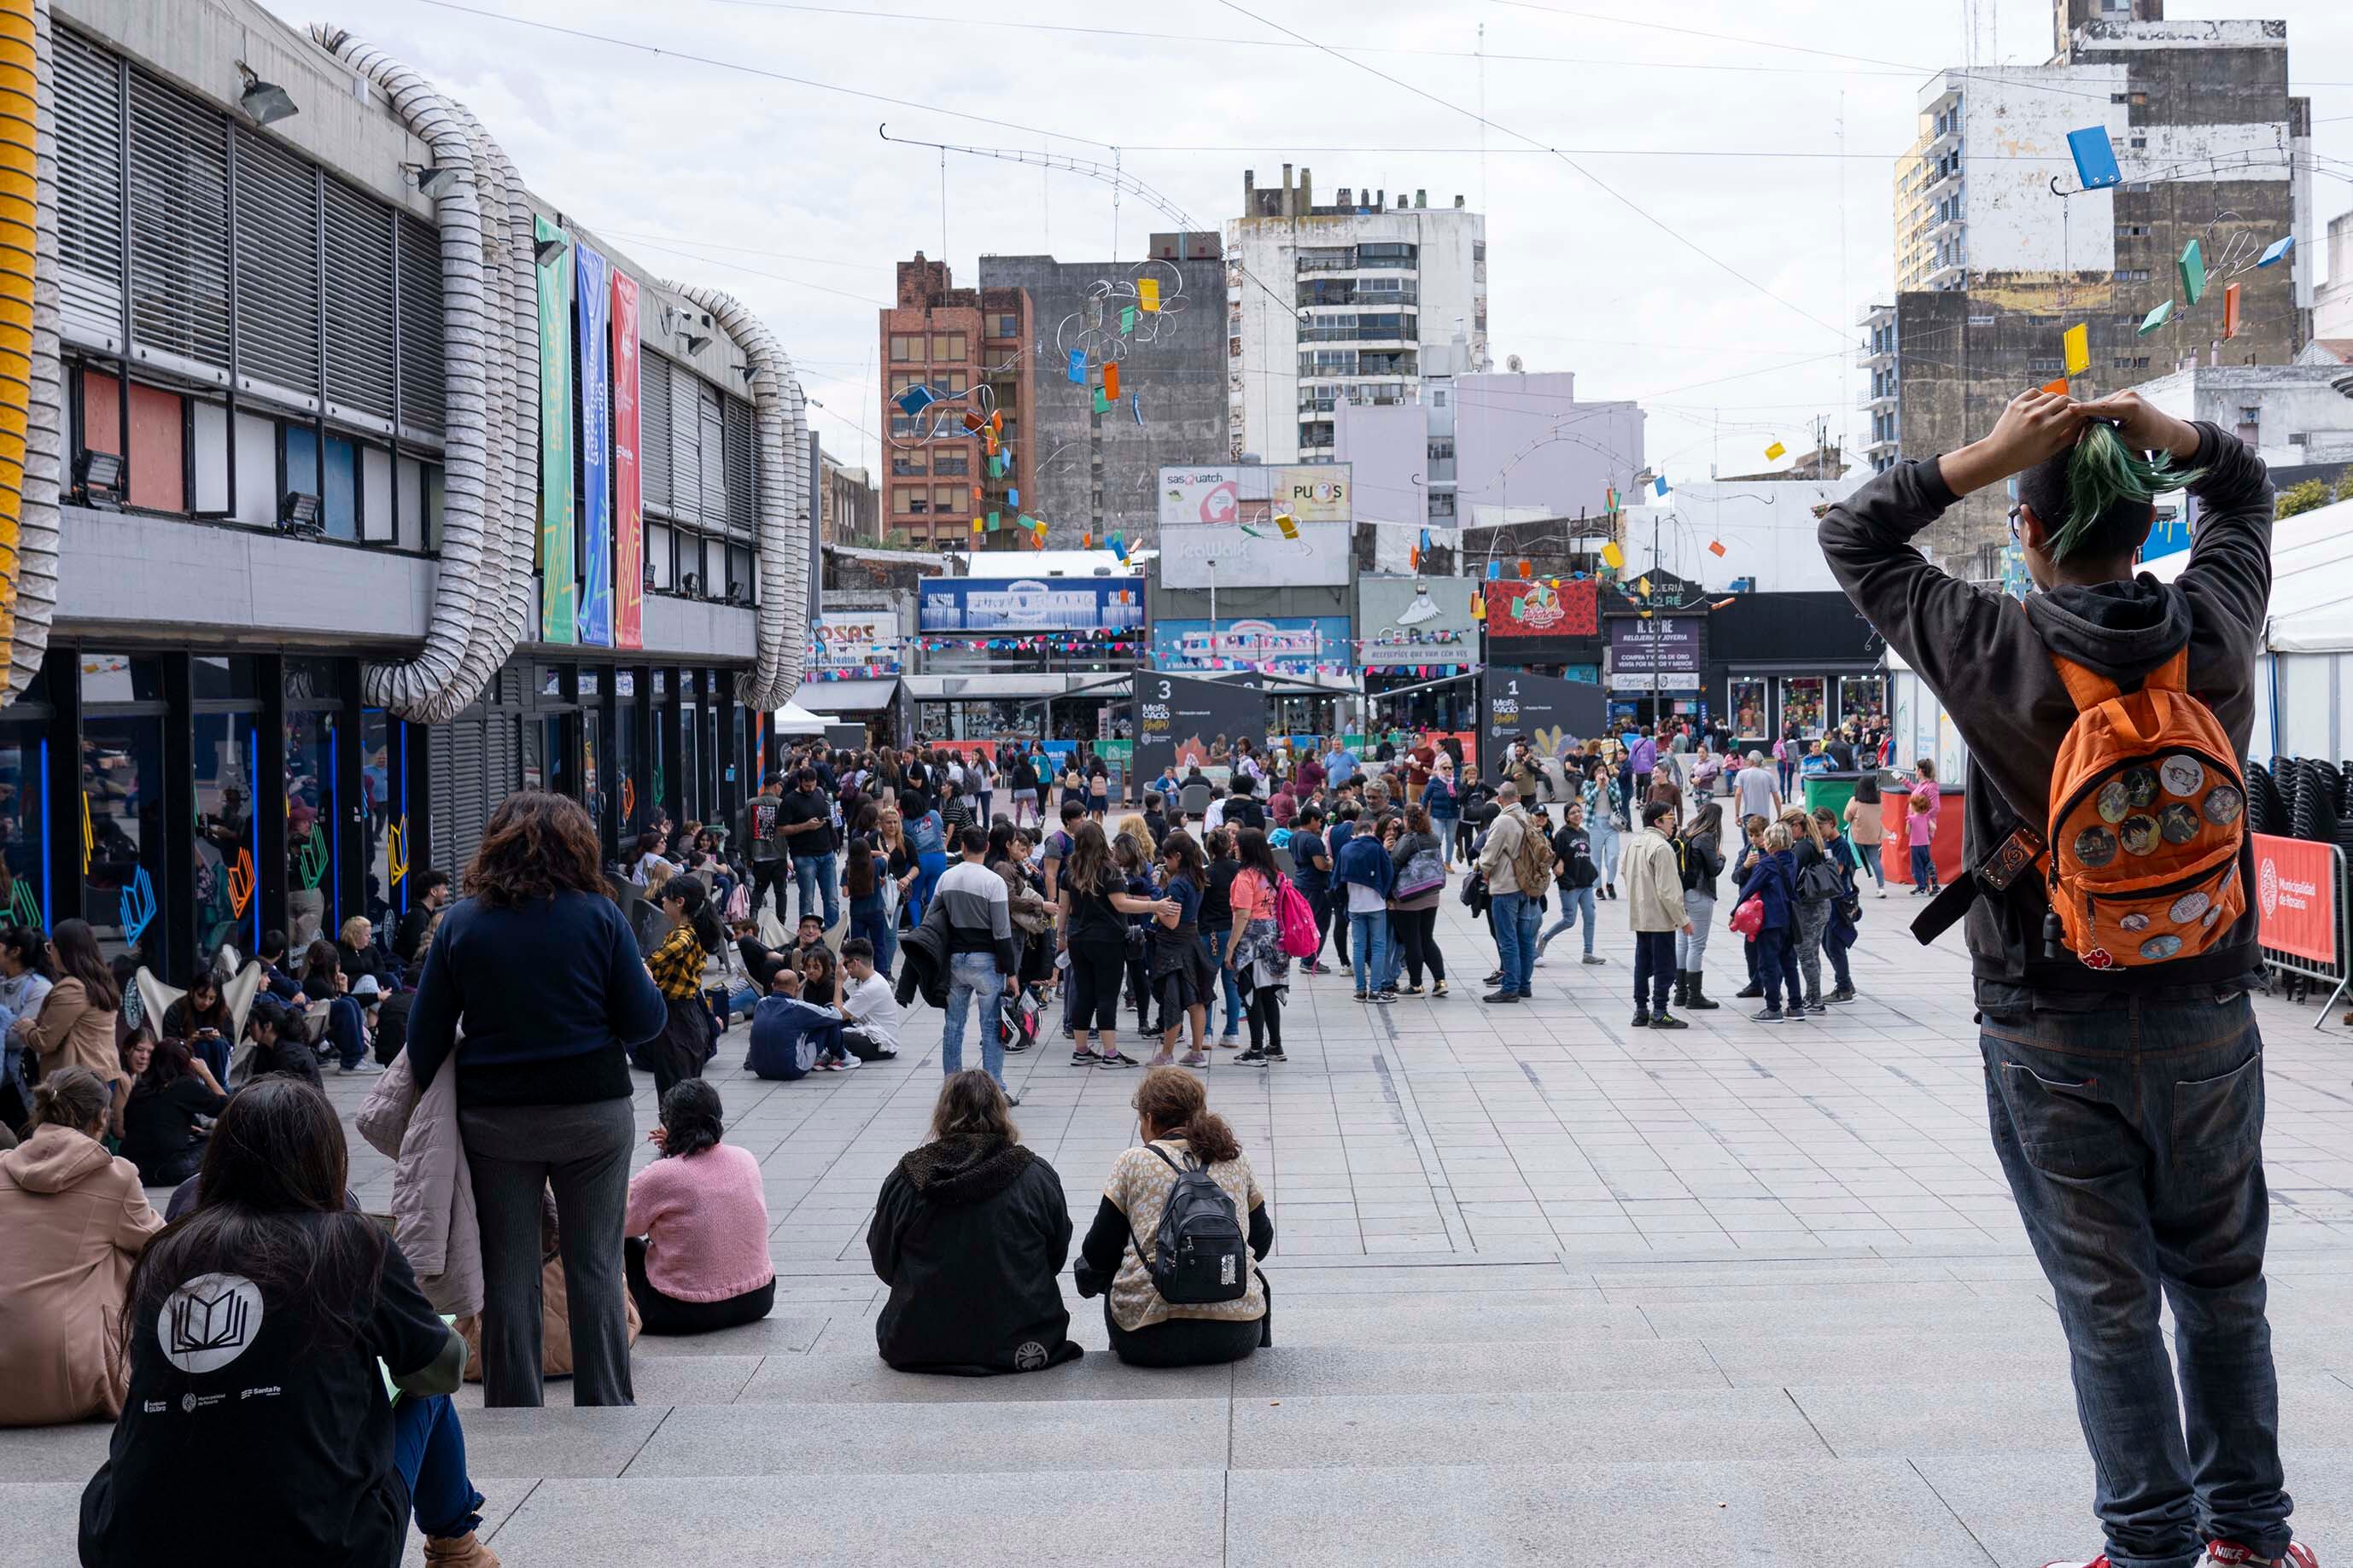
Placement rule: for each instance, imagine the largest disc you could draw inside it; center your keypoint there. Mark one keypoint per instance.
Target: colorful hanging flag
(1613, 557)
(995, 521)
(1126, 320)
(971, 421)
(1658, 485)
(2155, 319)
(1147, 294)
(1715, 546)
(1079, 366)
(1102, 403)
(2230, 311)
(996, 423)
(1642, 586)
(1494, 570)
(2275, 252)
(1528, 569)
(2077, 342)
(915, 399)
(1773, 454)
(1012, 498)
(1612, 505)
(977, 525)
(2192, 267)
(1119, 548)
(2056, 388)
(1111, 380)
(1086, 542)
(1287, 523)
(1136, 406)
(1478, 603)
(2095, 157)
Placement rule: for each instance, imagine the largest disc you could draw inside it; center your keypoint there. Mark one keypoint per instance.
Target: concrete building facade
(850, 507)
(1091, 469)
(1341, 302)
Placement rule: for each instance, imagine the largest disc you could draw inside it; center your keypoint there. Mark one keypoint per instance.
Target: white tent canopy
(2312, 580)
(793, 719)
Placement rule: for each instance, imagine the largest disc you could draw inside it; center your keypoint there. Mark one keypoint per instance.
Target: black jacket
(969, 1233)
(923, 960)
(1988, 657)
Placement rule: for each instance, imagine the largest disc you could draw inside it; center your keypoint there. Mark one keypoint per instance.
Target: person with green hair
(2126, 1101)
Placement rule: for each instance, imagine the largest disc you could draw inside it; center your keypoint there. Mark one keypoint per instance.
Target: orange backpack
(2146, 821)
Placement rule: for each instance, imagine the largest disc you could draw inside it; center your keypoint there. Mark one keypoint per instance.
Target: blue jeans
(812, 873)
(1213, 942)
(973, 976)
(2133, 1140)
(867, 919)
(1515, 917)
(1573, 901)
(345, 1033)
(1776, 961)
(930, 866)
(1924, 869)
(429, 1453)
(1868, 855)
(1369, 935)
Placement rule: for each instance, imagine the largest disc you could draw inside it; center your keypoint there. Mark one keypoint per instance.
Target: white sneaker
(1537, 963)
(850, 1063)
(367, 1065)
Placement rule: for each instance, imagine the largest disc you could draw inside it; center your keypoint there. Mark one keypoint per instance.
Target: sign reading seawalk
(1176, 719)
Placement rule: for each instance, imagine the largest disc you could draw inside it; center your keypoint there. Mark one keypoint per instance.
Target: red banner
(629, 502)
(2296, 891)
(1557, 608)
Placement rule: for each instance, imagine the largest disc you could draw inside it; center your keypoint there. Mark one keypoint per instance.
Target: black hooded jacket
(969, 1233)
(1988, 656)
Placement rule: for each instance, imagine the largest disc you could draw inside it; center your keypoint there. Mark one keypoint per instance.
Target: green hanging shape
(2193, 272)
(2155, 319)
(1102, 401)
(1127, 320)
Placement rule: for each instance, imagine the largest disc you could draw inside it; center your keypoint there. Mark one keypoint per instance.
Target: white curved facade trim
(37, 520)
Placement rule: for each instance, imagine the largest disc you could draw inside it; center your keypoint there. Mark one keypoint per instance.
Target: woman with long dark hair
(1253, 952)
(1095, 906)
(253, 1329)
(1703, 864)
(171, 1091)
(697, 1226)
(1419, 856)
(540, 965)
(969, 1231)
(75, 1026)
(865, 879)
(1183, 974)
(24, 981)
(677, 964)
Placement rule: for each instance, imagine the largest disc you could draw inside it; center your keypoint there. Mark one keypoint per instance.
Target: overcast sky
(1770, 145)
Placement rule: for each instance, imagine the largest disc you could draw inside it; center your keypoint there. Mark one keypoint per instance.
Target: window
(901, 380)
(2248, 414)
(1007, 325)
(2044, 366)
(1438, 398)
(2132, 274)
(948, 499)
(901, 466)
(2132, 362)
(952, 464)
(906, 348)
(947, 347)
(121, 786)
(951, 384)
(909, 500)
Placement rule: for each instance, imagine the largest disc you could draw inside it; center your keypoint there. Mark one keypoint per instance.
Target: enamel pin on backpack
(2147, 821)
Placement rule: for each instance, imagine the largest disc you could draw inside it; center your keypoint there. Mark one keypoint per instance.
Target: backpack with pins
(2145, 823)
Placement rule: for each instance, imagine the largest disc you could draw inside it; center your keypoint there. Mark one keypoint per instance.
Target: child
(1754, 827)
(1923, 840)
(1773, 879)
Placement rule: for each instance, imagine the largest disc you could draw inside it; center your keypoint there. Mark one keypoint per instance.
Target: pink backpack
(1295, 920)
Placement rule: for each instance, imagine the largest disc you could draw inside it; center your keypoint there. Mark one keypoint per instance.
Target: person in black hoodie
(2127, 1099)
(969, 1233)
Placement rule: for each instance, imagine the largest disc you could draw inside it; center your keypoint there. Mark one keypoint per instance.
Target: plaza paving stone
(1735, 1292)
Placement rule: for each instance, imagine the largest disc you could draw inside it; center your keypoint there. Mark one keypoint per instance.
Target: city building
(2298, 418)
(1999, 249)
(1094, 455)
(2332, 304)
(1735, 534)
(309, 627)
(1343, 302)
(957, 379)
(850, 507)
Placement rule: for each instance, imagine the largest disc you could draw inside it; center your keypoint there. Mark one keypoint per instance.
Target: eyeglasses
(2013, 523)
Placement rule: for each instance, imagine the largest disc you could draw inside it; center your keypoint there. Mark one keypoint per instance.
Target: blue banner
(1016, 605)
(594, 302)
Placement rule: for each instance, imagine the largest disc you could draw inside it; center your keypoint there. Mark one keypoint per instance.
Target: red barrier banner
(629, 510)
(2295, 893)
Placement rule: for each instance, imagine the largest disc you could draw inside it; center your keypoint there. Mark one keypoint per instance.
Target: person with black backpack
(1169, 1250)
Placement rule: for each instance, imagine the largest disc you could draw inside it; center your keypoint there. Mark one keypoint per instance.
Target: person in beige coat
(1651, 873)
(76, 1219)
(75, 1025)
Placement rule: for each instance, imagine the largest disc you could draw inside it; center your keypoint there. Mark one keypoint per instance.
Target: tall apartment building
(971, 348)
(1999, 251)
(1341, 302)
(1096, 460)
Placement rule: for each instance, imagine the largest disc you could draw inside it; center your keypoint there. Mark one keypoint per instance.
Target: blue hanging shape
(1135, 405)
(1012, 498)
(915, 399)
(2095, 157)
(1079, 366)
(1658, 485)
(1494, 570)
(2276, 252)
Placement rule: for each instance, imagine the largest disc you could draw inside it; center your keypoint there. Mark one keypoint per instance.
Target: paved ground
(1741, 1293)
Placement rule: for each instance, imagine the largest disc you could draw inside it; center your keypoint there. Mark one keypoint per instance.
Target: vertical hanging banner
(593, 303)
(629, 498)
(558, 594)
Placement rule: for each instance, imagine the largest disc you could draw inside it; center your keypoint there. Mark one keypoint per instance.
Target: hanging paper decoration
(1119, 545)
(1253, 532)
(1287, 523)
(1086, 542)
(996, 423)
(1126, 320)
(1012, 498)
(977, 525)
(2230, 311)
(1494, 570)
(2076, 340)
(1111, 381)
(1079, 366)
(2095, 157)
(915, 399)
(1102, 403)
(1478, 603)
(1147, 294)
(2056, 388)
(1658, 485)
(2192, 267)
(1528, 569)
(2155, 319)
(1773, 453)
(971, 421)
(1613, 557)
(1715, 547)
(1642, 586)
(2276, 252)
(995, 521)
(1136, 406)
(1413, 558)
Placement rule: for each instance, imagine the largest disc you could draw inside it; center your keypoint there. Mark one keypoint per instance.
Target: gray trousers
(1813, 919)
(1691, 947)
(516, 1153)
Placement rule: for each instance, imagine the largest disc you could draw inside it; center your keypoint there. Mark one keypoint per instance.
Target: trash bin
(1832, 790)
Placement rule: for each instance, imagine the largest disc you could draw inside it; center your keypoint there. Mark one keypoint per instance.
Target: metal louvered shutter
(469, 783)
(685, 444)
(360, 286)
(89, 91)
(740, 466)
(653, 431)
(179, 231)
(714, 456)
(441, 796)
(423, 378)
(276, 272)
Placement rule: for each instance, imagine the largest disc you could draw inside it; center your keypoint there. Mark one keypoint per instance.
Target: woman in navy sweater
(539, 964)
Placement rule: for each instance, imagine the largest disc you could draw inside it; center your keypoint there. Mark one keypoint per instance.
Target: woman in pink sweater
(697, 1227)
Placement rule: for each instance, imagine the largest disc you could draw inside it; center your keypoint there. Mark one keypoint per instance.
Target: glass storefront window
(313, 909)
(383, 781)
(24, 826)
(1751, 722)
(592, 754)
(1801, 705)
(626, 779)
(122, 835)
(228, 763)
(689, 779)
(1862, 701)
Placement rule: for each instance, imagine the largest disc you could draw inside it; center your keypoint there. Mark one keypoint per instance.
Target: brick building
(971, 348)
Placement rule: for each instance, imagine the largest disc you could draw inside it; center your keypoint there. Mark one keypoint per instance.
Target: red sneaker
(2231, 1554)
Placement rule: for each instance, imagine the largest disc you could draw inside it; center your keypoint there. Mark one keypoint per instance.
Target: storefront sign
(1416, 620)
(1257, 556)
(2296, 896)
(1292, 644)
(1662, 653)
(1199, 496)
(1553, 714)
(1566, 608)
(629, 498)
(864, 639)
(593, 303)
(559, 594)
(1177, 718)
(1321, 492)
(1028, 604)
(1239, 495)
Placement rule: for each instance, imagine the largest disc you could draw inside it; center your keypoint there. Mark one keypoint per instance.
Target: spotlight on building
(100, 481)
(299, 516)
(263, 102)
(696, 342)
(430, 177)
(542, 251)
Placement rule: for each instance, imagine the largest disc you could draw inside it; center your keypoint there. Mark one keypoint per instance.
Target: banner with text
(1416, 620)
(1518, 608)
(864, 639)
(1029, 605)
(1176, 719)
(559, 594)
(1663, 653)
(1553, 714)
(594, 301)
(2295, 894)
(629, 495)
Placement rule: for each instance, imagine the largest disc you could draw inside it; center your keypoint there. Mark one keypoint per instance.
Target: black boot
(1682, 988)
(1695, 997)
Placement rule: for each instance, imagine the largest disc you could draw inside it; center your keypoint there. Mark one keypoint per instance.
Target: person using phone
(202, 1018)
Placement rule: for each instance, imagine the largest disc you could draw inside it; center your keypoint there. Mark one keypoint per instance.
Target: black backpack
(1198, 1255)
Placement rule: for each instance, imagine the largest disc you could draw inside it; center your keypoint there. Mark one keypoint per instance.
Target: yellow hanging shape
(977, 525)
(1288, 523)
(1478, 602)
(1642, 586)
(1774, 453)
(1147, 294)
(1613, 557)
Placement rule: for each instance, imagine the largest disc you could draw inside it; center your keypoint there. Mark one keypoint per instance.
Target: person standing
(1772, 881)
(756, 831)
(1363, 866)
(1419, 853)
(1643, 754)
(981, 954)
(1865, 827)
(1754, 791)
(1816, 891)
(1518, 863)
(1655, 909)
(805, 821)
(1703, 864)
(1254, 954)
(1217, 925)
(1603, 801)
(1839, 932)
(1094, 906)
(1313, 877)
(1574, 875)
(2141, 1182)
(539, 966)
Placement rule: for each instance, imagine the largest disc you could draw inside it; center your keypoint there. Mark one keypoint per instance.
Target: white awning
(847, 696)
(793, 719)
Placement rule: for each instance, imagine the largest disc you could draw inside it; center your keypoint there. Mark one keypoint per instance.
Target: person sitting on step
(695, 1235)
